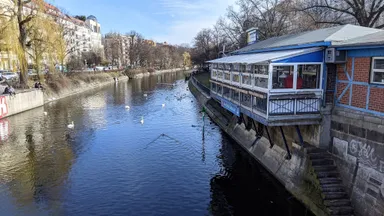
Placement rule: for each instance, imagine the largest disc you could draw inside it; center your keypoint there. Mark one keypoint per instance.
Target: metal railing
(294, 106)
(201, 86)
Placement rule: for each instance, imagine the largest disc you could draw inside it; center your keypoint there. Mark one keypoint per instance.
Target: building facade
(117, 49)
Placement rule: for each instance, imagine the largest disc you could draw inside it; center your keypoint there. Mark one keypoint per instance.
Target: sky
(173, 21)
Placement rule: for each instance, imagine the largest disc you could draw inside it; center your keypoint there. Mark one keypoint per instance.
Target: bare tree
(272, 17)
(113, 48)
(135, 44)
(203, 47)
(367, 13)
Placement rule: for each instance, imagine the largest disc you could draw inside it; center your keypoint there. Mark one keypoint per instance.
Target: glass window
(261, 69)
(236, 78)
(227, 76)
(220, 66)
(377, 70)
(226, 92)
(308, 76)
(249, 68)
(228, 67)
(236, 67)
(214, 73)
(219, 89)
(246, 100)
(246, 79)
(261, 82)
(215, 66)
(282, 77)
(213, 87)
(259, 104)
(235, 95)
(242, 67)
(219, 74)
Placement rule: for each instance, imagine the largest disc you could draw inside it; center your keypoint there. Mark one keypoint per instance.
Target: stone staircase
(334, 195)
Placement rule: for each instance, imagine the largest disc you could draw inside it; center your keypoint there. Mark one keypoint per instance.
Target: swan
(71, 126)
(127, 107)
(162, 105)
(45, 113)
(142, 120)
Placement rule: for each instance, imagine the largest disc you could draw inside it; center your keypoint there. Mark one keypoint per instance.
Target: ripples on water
(111, 164)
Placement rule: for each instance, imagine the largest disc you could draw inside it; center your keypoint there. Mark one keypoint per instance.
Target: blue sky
(174, 21)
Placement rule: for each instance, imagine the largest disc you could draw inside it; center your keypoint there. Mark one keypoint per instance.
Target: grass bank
(59, 85)
(203, 78)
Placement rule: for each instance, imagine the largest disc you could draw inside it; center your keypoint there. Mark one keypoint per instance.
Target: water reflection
(109, 164)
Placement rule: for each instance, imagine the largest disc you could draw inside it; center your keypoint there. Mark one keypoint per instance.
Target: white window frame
(265, 76)
(230, 77)
(244, 84)
(214, 71)
(232, 81)
(295, 68)
(373, 70)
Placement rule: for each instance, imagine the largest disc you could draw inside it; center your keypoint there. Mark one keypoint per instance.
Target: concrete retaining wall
(294, 174)
(141, 75)
(358, 149)
(83, 87)
(23, 101)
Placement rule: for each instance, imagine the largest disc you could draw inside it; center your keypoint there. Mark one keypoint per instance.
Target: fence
(201, 86)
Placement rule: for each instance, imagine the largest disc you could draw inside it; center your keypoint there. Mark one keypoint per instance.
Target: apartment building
(80, 36)
(116, 48)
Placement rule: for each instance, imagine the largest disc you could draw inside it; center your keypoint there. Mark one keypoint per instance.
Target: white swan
(71, 126)
(142, 120)
(127, 107)
(162, 105)
(45, 113)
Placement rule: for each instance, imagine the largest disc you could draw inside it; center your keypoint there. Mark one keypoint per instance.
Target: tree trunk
(22, 42)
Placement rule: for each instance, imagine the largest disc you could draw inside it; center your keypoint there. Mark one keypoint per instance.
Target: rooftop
(333, 35)
(371, 39)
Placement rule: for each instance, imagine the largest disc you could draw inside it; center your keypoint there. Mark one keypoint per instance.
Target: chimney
(252, 36)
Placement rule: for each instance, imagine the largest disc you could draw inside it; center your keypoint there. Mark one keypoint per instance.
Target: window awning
(263, 57)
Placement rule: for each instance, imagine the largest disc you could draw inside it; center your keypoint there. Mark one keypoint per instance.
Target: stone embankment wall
(295, 174)
(30, 99)
(80, 88)
(358, 149)
(141, 75)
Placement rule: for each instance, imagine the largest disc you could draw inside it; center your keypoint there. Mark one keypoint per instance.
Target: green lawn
(203, 78)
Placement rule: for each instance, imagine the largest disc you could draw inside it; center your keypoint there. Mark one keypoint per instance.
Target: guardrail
(201, 86)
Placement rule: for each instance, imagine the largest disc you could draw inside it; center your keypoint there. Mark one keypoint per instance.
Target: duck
(145, 95)
(162, 105)
(127, 107)
(45, 113)
(142, 120)
(71, 126)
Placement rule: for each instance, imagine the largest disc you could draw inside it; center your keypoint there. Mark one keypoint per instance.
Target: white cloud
(190, 18)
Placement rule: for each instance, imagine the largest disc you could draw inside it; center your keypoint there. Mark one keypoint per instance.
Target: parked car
(9, 75)
(3, 71)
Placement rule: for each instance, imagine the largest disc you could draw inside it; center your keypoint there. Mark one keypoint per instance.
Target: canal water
(113, 164)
